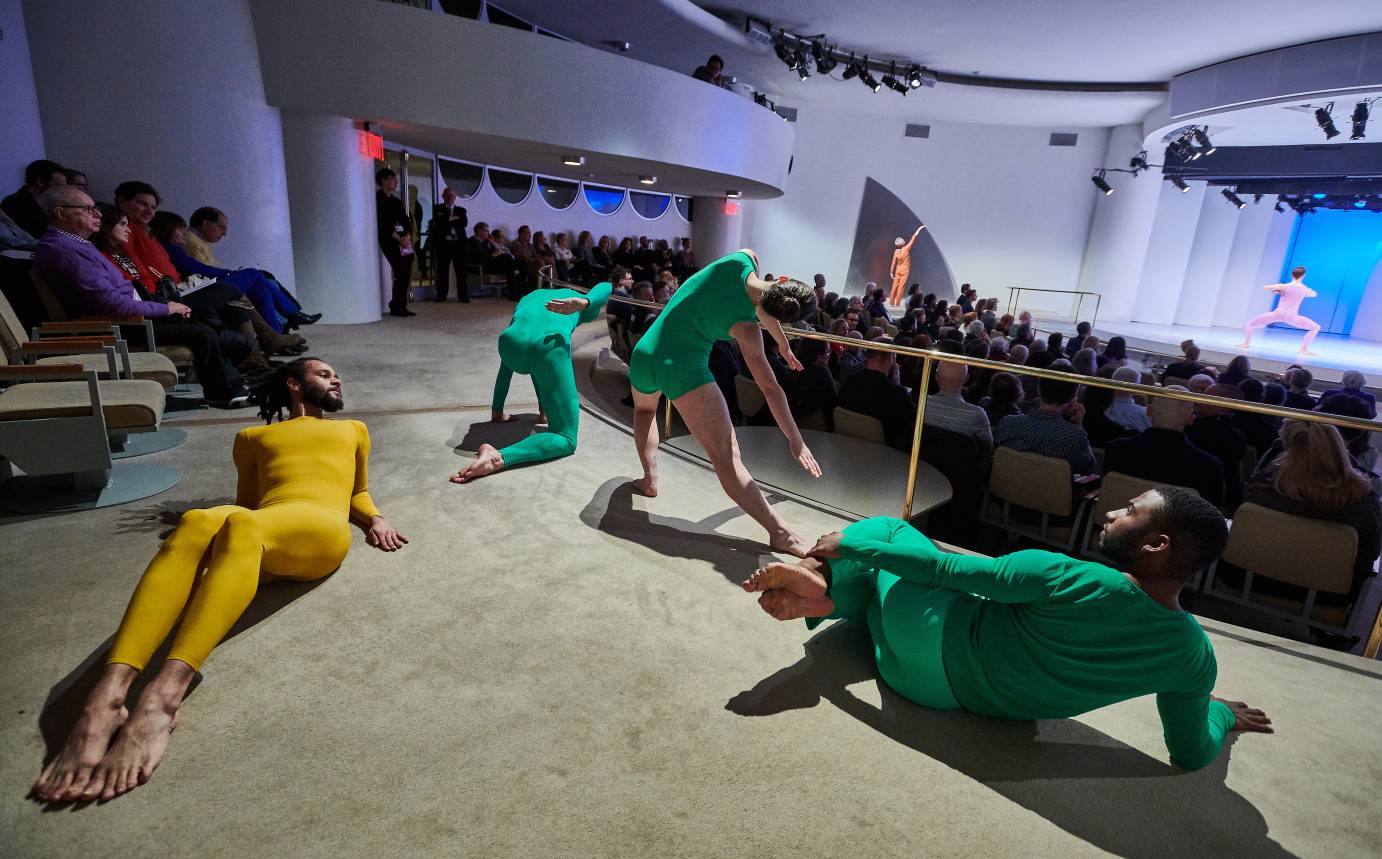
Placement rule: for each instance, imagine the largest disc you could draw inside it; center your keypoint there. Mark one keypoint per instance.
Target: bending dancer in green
(1032, 635)
(538, 343)
(726, 299)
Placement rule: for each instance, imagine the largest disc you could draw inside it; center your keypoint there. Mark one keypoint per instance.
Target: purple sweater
(85, 282)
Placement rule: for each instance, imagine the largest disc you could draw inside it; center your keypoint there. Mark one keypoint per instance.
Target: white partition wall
(718, 232)
(1121, 230)
(22, 140)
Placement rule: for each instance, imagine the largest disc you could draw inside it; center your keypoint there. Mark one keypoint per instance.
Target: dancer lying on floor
(1032, 635)
(299, 483)
(538, 343)
(724, 300)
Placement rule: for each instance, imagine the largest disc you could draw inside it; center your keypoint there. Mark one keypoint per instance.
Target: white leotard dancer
(1287, 310)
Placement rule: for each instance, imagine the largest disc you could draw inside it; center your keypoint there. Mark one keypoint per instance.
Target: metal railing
(1015, 296)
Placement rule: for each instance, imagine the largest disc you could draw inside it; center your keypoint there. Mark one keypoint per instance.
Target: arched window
(511, 187)
(650, 206)
(461, 176)
(603, 199)
(683, 207)
(557, 193)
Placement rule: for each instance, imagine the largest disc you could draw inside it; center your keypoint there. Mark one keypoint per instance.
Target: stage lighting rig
(1100, 182)
(1201, 136)
(1180, 183)
(1324, 118)
(796, 51)
(891, 82)
(867, 77)
(1138, 162)
(1233, 198)
(825, 61)
(1360, 121)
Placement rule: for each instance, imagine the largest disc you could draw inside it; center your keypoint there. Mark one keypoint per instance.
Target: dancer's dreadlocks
(272, 395)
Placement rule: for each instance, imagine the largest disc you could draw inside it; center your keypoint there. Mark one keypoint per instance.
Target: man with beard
(300, 482)
(1032, 635)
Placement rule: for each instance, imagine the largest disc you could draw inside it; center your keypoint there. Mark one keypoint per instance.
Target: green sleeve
(501, 388)
(1193, 725)
(893, 545)
(597, 297)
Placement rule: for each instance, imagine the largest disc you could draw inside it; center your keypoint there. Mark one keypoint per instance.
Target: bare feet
(137, 750)
(1244, 345)
(68, 776)
(789, 543)
(487, 461)
(1307, 353)
(785, 605)
(501, 417)
(790, 577)
(646, 485)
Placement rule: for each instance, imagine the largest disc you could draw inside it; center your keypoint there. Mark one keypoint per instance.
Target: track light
(1138, 162)
(784, 53)
(647, 180)
(1179, 148)
(1326, 122)
(1101, 183)
(825, 62)
(1279, 207)
(1202, 138)
(853, 69)
(1360, 121)
(803, 70)
(573, 160)
(1233, 198)
(891, 82)
(866, 76)
(1180, 183)
(914, 77)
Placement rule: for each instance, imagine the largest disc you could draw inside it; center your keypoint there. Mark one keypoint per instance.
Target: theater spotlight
(1101, 183)
(784, 53)
(891, 82)
(1233, 198)
(1279, 207)
(852, 70)
(1179, 148)
(1202, 138)
(803, 70)
(914, 77)
(1326, 122)
(825, 63)
(1360, 121)
(1138, 162)
(1180, 183)
(867, 77)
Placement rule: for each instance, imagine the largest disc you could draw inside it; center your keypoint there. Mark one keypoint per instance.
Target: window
(462, 177)
(683, 207)
(650, 206)
(511, 187)
(557, 193)
(603, 200)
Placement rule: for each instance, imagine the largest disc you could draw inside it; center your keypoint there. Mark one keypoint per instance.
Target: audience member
(14, 237)
(947, 409)
(965, 299)
(1162, 452)
(1124, 410)
(1353, 383)
(1053, 428)
(1261, 430)
(395, 233)
(685, 260)
(561, 251)
(23, 205)
(1076, 343)
(1238, 369)
(446, 235)
(814, 389)
(1115, 353)
(77, 179)
(850, 360)
(875, 390)
(1004, 397)
(877, 304)
(710, 72)
(1187, 367)
(1359, 442)
(1085, 362)
(1214, 433)
(1053, 344)
(493, 258)
(1021, 330)
(1200, 382)
(1298, 381)
(1101, 431)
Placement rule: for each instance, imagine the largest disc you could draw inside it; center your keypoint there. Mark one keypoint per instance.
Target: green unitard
(538, 343)
(674, 355)
(1030, 635)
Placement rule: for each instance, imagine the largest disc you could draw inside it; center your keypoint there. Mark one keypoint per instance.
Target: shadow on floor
(497, 434)
(1111, 795)
(162, 515)
(612, 511)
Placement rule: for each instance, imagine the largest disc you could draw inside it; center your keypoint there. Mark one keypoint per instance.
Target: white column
(1259, 247)
(1209, 254)
(1168, 253)
(714, 233)
(331, 203)
(22, 141)
(1121, 228)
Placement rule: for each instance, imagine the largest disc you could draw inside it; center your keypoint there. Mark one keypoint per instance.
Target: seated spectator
(1053, 344)
(1004, 398)
(877, 303)
(966, 298)
(875, 391)
(989, 315)
(1238, 369)
(814, 389)
(1101, 431)
(603, 253)
(1214, 433)
(874, 332)
(87, 283)
(1017, 354)
(645, 260)
(584, 268)
(207, 226)
(1359, 442)
(1115, 353)
(1021, 330)
(493, 258)
(947, 409)
(542, 249)
(1005, 324)
(1261, 430)
(561, 252)
(854, 320)
(1353, 384)
(1199, 383)
(1053, 428)
(14, 237)
(1076, 343)
(1125, 411)
(975, 330)
(625, 256)
(711, 71)
(1298, 381)
(850, 361)
(685, 264)
(23, 205)
(1085, 362)
(525, 255)
(1162, 452)
(1187, 367)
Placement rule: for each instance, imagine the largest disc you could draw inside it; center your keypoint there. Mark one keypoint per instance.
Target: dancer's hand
(1245, 718)
(567, 306)
(384, 536)
(793, 363)
(828, 546)
(802, 454)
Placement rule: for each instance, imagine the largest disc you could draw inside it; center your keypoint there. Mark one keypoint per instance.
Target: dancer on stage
(726, 299)
(1287, 310)
(538, 343)
(901, 269)
(300, 482)
(1032, 635)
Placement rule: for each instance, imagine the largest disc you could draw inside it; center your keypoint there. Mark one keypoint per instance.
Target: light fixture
(852, 70)
(914, 77)
(647, 180)
(1360, 121)
(573, 160)
(825, 62)
(1179, 148)
(1326, 122)
(1138, 162)
(1101, 183)
(1180, 183)
(1202, 138)
(784, 53)
(734, 195)
(1233, 198)
(1360, 204)
(803, 68)
(866, 76)
(1278, 206)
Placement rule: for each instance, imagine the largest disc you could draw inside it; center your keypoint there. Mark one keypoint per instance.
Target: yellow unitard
(299, 482)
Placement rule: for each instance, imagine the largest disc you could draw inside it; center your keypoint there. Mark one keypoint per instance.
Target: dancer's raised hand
(802, 454)
(567, 306)
(828, 546)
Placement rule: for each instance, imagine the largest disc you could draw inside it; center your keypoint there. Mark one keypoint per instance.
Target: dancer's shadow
(1111, 795)
(611, 511)
(65, 699)
(162, 515)
(490, 432)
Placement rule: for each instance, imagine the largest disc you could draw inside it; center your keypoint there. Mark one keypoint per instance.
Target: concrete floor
(557, 667)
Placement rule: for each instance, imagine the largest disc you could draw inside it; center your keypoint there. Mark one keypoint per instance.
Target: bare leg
(143, 740)
(487, 461)
(69, 775)
(707, 417)
(645, 437)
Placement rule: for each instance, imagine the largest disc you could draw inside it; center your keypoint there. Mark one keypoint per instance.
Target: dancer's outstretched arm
(751, 344)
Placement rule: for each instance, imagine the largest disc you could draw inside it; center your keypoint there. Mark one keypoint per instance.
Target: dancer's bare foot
(1307, 353)
(68, 776)
(789, 543)
(487, 461)
(785, 605)
(790, 577)
(501, 417)
(646, 485)
(138, 749)
(1244, 345)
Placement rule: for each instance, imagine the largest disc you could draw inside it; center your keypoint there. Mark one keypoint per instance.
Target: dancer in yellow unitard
(300, 481)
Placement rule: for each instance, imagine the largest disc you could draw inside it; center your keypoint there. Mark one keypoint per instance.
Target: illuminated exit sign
(731, 207)
(371, 145)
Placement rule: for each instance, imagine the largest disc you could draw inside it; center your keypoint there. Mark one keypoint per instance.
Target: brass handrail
(930, 357)
(1015, 292)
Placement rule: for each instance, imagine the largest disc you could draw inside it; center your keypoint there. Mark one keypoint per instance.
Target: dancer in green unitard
(537, 343)
(1032, 635)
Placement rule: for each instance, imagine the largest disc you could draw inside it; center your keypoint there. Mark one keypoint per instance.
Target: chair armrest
(140, 321)
(79, 346)
(74, 326)
(49, 373)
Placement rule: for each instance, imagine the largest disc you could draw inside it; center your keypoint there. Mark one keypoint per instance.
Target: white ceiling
(1088, 41)
(1287, 123)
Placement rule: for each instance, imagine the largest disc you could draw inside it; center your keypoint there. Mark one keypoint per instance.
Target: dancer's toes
(789, 544)
(67, 776)
(785, 605)
(791, 577)
(646, 486)
(139, 748)
(1244, 345)
(487, 461)
(1307, 353)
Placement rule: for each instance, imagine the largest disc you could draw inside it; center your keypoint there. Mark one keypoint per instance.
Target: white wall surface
(1005, 208)
(1209, 255)
(121, 98)
(22, 139)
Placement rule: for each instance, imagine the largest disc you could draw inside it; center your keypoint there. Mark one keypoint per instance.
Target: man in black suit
(876, 391)
(395, 239)
(1214, 433)
(1163, 453)
(446, 235)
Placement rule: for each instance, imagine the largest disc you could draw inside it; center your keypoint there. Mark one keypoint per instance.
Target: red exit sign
(371, 145)
(731, 207)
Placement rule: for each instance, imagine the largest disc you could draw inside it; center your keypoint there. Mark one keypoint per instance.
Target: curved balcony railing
(1015, 300)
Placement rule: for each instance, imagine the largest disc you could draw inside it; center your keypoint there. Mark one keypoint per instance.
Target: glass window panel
(461, 177)
(557, 193)
(650, 206)
(604, 200)
(683, 207)
(511, 187)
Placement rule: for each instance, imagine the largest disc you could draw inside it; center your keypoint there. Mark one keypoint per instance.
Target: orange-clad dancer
(300, 482)
(901, 268)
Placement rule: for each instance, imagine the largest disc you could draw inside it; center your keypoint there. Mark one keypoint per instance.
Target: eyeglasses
(85, 210)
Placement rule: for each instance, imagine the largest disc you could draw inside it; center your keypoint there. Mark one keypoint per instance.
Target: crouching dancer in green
(1032, 635)
(538, 343)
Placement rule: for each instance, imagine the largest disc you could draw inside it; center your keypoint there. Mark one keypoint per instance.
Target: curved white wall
(22, 141)
(121, 97)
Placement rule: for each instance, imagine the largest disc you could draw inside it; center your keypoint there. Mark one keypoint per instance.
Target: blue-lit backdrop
(1339, 249)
